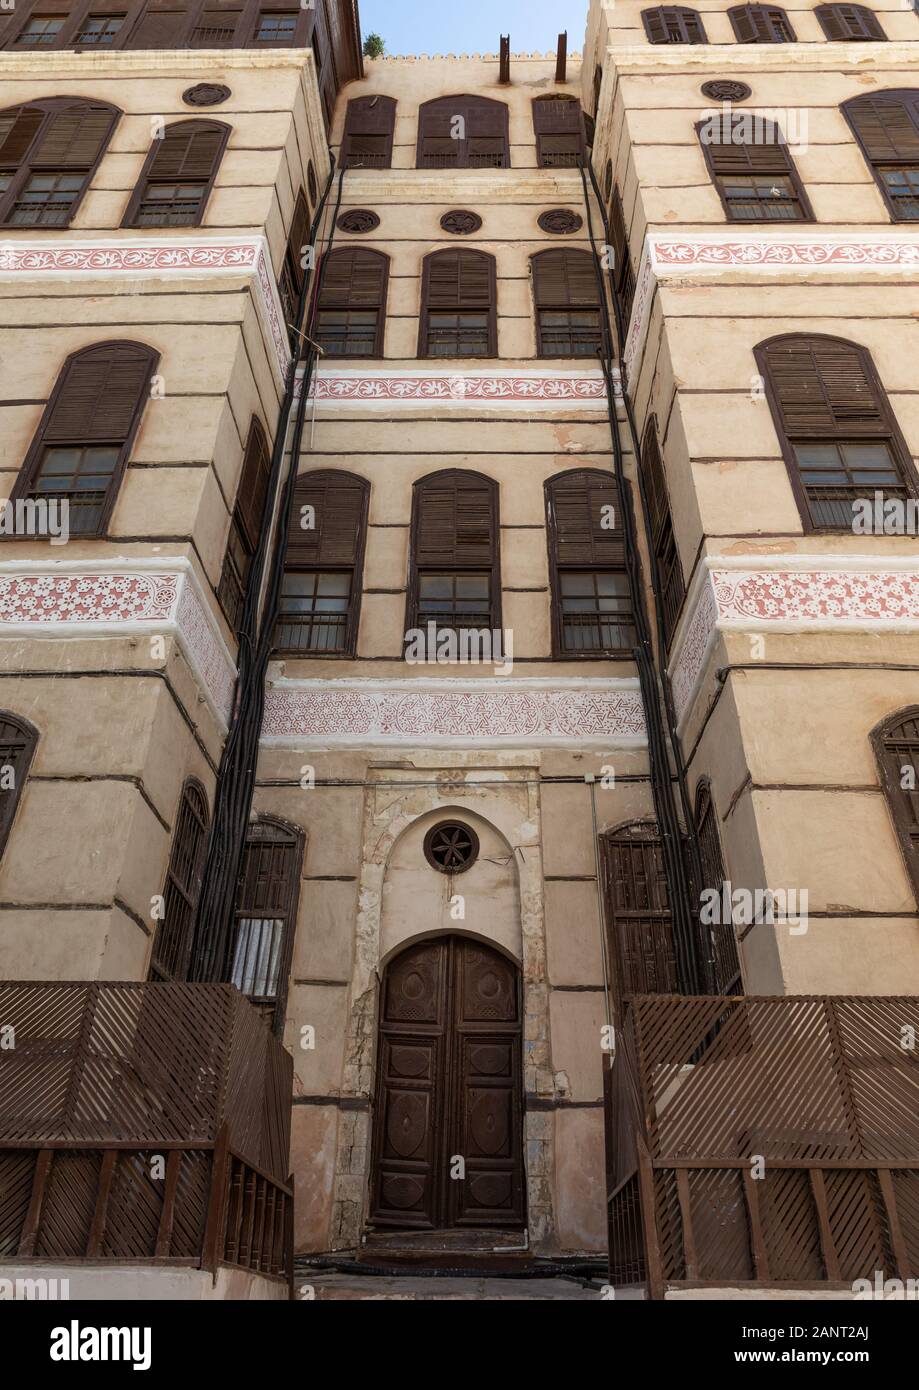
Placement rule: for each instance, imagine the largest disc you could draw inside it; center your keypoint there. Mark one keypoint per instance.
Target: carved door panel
(449, 1086)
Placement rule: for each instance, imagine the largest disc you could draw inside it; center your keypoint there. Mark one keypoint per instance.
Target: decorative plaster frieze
(458, 387)
(792, 593)
(704, 254)
(425, 712)
(83, 598)
(161, 257)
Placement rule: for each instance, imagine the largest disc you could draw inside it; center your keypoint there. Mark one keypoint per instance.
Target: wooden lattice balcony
(764, 1142)
(146, 1123)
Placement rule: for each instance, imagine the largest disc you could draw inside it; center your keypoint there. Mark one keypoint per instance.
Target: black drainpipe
(694, 965)
(213, 942)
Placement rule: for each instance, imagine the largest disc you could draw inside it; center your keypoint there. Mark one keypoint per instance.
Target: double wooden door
(448, 1146)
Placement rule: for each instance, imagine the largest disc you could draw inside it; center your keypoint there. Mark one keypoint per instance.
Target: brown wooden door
(448, 1084)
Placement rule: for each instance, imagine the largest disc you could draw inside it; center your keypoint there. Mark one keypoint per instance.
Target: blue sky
(473, 26)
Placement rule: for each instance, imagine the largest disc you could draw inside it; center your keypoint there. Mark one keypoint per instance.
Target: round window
(451, 847)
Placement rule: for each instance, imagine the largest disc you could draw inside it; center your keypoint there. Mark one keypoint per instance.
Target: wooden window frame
(621, 498)
(244, 33)
(491, 312)
(789, 170)
(304, 482)
(909, 101)
(72, 26)
(191, 787)
(52, 106)
(539, 306)
(705, 818)
(680, 15)
(827, 14)
(659, 527)
(772, 16)
(467, 477)
(542, 127)
(461, 105)
(29, 471)
(893, 793)
(349, 249)
(891, 434)
(353, 113)
(296, 843)
(137, 197)
(639, 832)
(10, 801)
(292, 274)
(256, 448)
(623, 274)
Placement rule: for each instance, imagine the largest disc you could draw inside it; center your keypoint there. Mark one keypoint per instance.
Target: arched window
(458, 305)
(48, 153)
(752, 170)
(83, 441)
(463, 132)
(673, 24)
(841, 22)
(17, 747)
(761, 24)
(622, 261)
(351, 315)
(839, 437)
(662, 539)
(290, 280)
(569, 322)
(172, 945)
(245, 524)
(886, 125)
(724, 944)
(639, 919)
(178, 175)
(591, 600)
(321, 588)
(896, 747)
(266, 915)
(369, 126)
(559, 127)
(454, 573)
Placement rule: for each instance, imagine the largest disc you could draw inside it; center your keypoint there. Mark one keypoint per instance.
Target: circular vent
(560, 221)
(205, 94)
(311, 186)
(460, 222)
(726, 91)
(358, 220)
(451, 847)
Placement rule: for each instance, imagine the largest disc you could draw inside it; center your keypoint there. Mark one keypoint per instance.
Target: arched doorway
(449, 1086)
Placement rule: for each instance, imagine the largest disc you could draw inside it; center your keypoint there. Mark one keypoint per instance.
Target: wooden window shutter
(172, 948)
(61, 136)
(770, 157)
(622, 269)
(98, 400)
(886, 126)
(369, 128)
(761, 24)
(350, 318)
(266, 914)
(591, 595)
(160, 28)
(662, 539)
(459, 280)
(639, 919)
(253, 486)
(569, 321)
(326, 536)
(454, 529)
(841, 22)
(185, 163)
(18, 129)
(575, 510)
(896, 747)
(673, 24)
(18, 739)
(728, 979)
(558, 122)
(293, 274)
(761, 155)
(484, 129)
(339, 503)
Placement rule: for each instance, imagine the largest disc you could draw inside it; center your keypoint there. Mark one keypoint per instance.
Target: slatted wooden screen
(458, 305)
(351, 316)
(896, 747)
(178, 175)
(266, 914)
(321, 590)
(886, 125)
(761, 24)
(81, 448)
(559, 127)
(290, 280)
(48, 153)
(246, 521)
(753, 171)
(591, 599)
(566, 291)
(369, 127)
(724, 944)
(463, 132)
(454, 532)
(639, 919)
(840, 439)
(172, 946)
(673, 24)
(662, 539)
(622, 263)
(842, 22)
(18, 739)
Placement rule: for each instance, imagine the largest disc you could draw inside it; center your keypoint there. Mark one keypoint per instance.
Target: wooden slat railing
(770, 1141)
